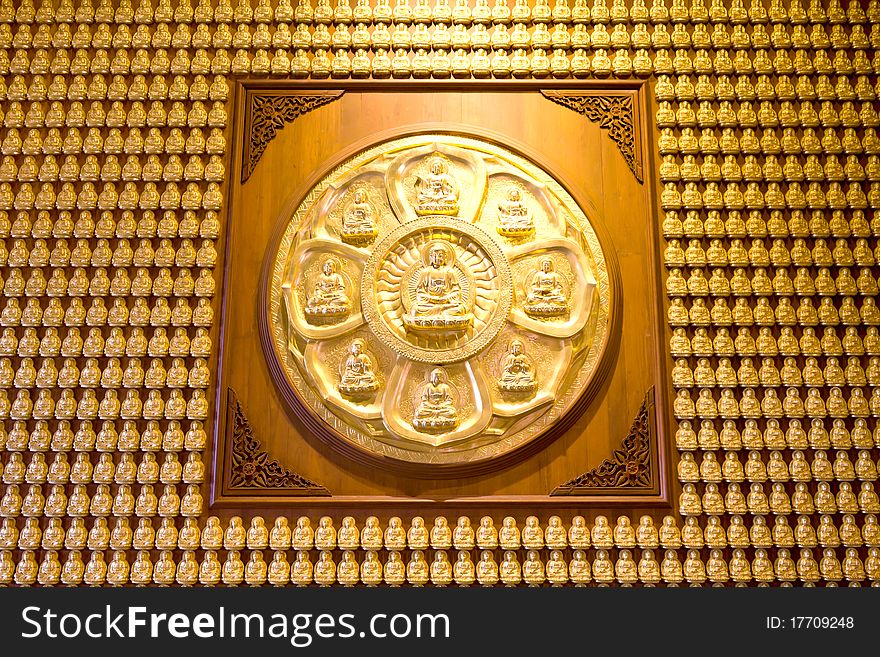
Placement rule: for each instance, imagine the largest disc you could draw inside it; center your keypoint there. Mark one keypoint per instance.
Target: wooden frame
(658, 494)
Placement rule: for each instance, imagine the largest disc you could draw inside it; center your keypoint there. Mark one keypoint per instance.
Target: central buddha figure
(545, 293)
(358, 222)
(517, 370)
(436, 412)
(437, 192)
(514, 216)
(328, 300)
(358, 377)
(439, 302)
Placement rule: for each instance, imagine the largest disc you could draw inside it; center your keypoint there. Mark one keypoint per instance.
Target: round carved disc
(391, 277)
(436, 303)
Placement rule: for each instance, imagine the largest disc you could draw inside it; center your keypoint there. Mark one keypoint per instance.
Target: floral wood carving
(613, 112)
(269, 113)
(629, 466)
(254, 468)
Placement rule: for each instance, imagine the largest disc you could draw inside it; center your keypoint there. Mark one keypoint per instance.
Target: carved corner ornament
(628, 468)
(252, 467)
(614, 112)
(268, 112)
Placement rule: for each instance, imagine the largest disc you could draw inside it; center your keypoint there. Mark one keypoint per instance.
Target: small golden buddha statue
(417, 535)
(510, 570)
(603, 568)
(371, 569)
(515, 219)
(347, 571)
(235, 536)
(348, 536)
(486, 534)
(394, 571)
(546, 293)
(437, 191)
(508, 537)
(578, 569)
(532, 534)
(437, 302)
(624, 535)
(436, 411)
(601, 534)
(358, 377)
(371, 534)
(441, 569)
(463, 535)
(646, 533)
(359, 225)
(303, 536)
(441, 536)
(302, 570)
(692, 534)
(328, 300)
(233, 569)
(463, 572)
(517, 371)
(257, 534)
(324, 536)
(555, 536)
(417, 570)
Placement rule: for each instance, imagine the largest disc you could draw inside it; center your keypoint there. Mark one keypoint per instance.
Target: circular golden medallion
(436, 300)
(436, 290)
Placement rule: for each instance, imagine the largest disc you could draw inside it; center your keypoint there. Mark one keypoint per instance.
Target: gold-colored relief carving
(806, 188)
(435, 290)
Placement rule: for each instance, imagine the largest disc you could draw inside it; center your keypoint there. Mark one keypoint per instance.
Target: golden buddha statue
(441, 569)
(347, 571)
(348, 536)
(359, 220)
(555, 536)
(463, 571)
(463, 535)
(303, 536)
(868, 500)
(301, 571)
(358, 377)
(325, 568)
(601, 534)
(394, 571)
(870, 530)
(328, 300)
(579, 568)
(324, 536)
(546, 293)
(436, 410)
(624, 535)
(603, 568)
(517, 371)
(486, 534)
(486, 569)
(417, 535)
(646, 533)
(437, 191)
(417, 570)
(515, 219)
(438, 302)
(371, 534)
(257, 534)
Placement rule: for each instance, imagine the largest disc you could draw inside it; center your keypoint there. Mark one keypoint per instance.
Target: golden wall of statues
(116, 124)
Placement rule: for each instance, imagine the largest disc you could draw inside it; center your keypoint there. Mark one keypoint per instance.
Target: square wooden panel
(593, 138)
